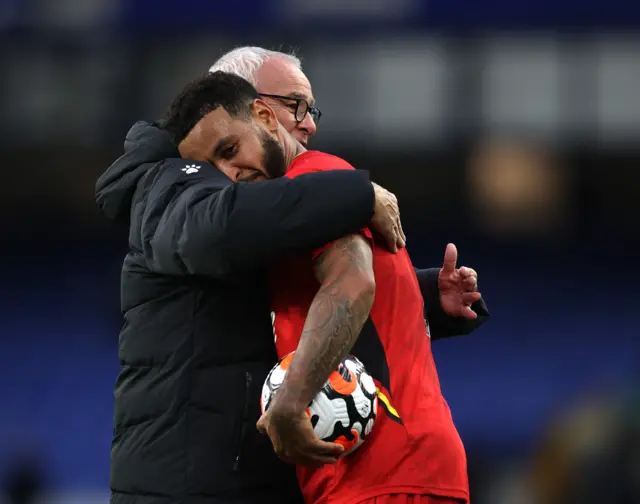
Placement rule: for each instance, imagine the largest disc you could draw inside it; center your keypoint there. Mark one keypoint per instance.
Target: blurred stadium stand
(509, 128)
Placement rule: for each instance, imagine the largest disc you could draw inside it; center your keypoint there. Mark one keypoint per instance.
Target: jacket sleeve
(442, 325)
(213, 227)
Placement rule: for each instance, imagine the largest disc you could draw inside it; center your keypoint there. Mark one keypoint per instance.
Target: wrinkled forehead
(281, 77)
(216, 126)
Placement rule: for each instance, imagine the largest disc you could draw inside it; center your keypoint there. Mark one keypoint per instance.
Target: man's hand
(458, 287)
(386, 219)
(294, 440)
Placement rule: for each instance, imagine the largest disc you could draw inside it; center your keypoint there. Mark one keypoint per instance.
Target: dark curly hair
(203, 95)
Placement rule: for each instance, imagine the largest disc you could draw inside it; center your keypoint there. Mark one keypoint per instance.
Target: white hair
(245, 61)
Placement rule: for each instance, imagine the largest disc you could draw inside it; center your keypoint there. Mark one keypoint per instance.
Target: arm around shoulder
(209, 226)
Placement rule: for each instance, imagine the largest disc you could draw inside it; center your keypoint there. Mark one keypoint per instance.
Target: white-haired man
(279, 79)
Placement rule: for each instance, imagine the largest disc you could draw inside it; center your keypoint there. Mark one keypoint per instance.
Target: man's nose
(308, 125)
(228, 169)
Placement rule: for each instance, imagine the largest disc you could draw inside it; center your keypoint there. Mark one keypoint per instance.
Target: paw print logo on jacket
(189, 169)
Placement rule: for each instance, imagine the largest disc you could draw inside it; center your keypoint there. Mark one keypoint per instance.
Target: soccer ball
(344, 410)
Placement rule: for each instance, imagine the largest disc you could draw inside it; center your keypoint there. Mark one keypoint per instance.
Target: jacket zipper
(245, 418)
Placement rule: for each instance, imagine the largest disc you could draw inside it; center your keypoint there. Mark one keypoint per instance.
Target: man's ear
(188, 146)
(264, 114)
(185, 147)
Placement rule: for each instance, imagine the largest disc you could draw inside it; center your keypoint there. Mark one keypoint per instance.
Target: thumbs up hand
(458, 286)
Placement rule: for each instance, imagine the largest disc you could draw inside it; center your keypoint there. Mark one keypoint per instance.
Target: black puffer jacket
(197, 340)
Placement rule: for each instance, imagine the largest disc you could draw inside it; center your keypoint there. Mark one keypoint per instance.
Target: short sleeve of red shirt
(315, 161)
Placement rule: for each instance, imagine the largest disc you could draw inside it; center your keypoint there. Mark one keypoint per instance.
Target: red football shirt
(414, 447)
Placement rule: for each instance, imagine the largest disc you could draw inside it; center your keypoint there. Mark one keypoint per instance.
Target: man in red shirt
(349, 296)
(323, 305)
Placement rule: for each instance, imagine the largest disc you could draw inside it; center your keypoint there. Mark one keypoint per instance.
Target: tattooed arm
(336, 316)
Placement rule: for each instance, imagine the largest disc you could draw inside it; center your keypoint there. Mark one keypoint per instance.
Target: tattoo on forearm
(336, 316)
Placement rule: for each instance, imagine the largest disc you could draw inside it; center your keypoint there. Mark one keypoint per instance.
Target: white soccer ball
(345, 409)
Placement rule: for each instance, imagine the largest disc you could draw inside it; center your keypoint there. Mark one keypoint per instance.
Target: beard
(273, 157)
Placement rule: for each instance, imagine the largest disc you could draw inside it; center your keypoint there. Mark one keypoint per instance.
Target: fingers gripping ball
(344, 411)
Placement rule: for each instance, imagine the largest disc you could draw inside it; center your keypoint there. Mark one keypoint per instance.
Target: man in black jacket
(197, 340)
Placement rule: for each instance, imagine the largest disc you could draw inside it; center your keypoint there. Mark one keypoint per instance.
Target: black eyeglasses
(301, 105)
